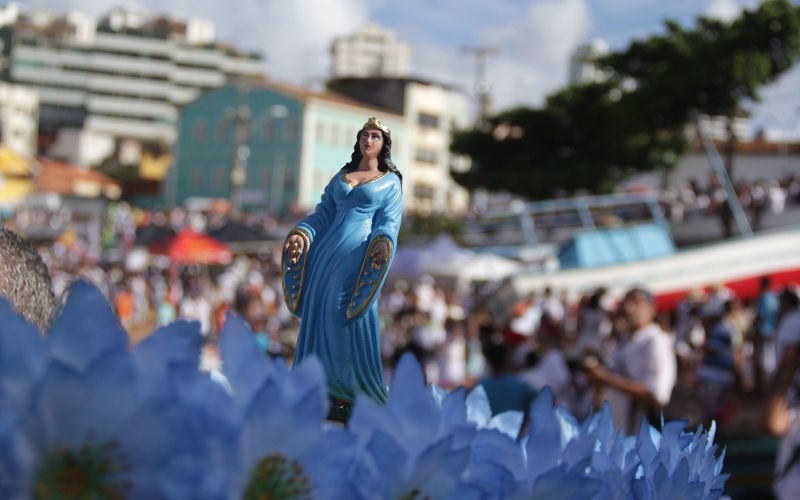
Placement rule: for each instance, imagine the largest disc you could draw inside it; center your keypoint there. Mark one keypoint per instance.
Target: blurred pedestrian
(783, 409)
(504, 387)
(764, 323)
(639, 384)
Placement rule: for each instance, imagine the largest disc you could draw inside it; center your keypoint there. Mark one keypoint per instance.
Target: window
(223, 131)
(243, 131)
(219, 176)
(423, 192)
(196, 178)
(428, 120)
(269, 129)
(288, 180)
(334, 131)
(200, 131)
(347, 137)
(320, 132)
(291, 129)
(263, 176)
(425, 156)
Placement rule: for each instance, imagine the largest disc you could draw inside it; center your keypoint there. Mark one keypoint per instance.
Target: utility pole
(241, 116)
(482, 86)
(718, 167)
(479, 196)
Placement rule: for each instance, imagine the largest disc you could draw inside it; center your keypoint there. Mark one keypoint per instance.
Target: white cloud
(724, 10)
(294, 36)
(535, 38)
(780, 106)
(535, 50)
(531, 58)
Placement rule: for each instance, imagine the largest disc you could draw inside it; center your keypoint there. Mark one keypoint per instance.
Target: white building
(371, 51)
(432, 112)
(19, 115)
(114, 85)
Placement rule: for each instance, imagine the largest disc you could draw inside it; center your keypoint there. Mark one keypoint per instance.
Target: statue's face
(370, 142)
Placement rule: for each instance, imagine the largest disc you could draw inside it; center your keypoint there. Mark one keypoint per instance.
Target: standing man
(639, 383)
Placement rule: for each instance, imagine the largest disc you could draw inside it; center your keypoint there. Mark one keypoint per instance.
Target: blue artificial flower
(496, 468)
(496, 465)
(557, 460)
(593, 460)
(678, 464)
(613, 455)
(92, 427)
(283, 448)
(704, 464)
(22, 364)
(167, 362)
(83, 415)
(464, 413)
(409, 451)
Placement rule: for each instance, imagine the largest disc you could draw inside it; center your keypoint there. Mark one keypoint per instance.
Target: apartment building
(432, 111)
(370, 51)
(111, 88)
(19, 112)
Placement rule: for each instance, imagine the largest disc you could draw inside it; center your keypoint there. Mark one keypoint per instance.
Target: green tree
(593, 136)
(714, 68)
(586, 137)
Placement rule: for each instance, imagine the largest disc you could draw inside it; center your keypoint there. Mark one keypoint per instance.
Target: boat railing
(554, 221)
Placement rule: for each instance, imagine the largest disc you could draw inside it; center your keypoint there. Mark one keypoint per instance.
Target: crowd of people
(719, 344)
(718, 341)
(589, 349)
(714, 343)
(757, 198)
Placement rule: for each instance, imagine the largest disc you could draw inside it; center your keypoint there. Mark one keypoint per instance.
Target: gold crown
(373, 122)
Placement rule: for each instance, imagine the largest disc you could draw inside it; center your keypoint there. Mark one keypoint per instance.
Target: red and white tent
(191, 247)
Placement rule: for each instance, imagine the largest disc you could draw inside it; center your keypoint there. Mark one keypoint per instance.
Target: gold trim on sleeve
(369, 277)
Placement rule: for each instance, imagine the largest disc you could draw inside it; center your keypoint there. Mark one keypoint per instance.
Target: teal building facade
(252, 128)
(267, 146)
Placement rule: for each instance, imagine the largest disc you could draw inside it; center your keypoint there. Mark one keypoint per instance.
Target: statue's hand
(380, 255)
(295, 246)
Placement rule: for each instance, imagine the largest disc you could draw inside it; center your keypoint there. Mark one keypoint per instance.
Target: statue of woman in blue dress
(334, 265)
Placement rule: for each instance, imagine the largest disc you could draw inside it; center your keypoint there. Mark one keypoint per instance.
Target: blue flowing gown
(341, 228)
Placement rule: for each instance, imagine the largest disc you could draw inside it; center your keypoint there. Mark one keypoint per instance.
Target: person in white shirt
(643, 375)
(194, 306)
(552, 307)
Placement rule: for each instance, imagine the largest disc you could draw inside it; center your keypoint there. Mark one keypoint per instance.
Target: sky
(533, 39)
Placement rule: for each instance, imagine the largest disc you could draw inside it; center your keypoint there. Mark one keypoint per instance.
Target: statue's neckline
(350, 183)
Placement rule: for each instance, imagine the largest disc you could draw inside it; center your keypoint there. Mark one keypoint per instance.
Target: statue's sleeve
(317, 222)
(387, 219)
(385, 227)
(311, 227)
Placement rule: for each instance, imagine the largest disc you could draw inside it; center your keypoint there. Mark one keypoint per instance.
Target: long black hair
(385, 163)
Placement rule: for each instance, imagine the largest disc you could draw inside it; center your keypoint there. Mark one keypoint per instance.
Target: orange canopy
(191, 247)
